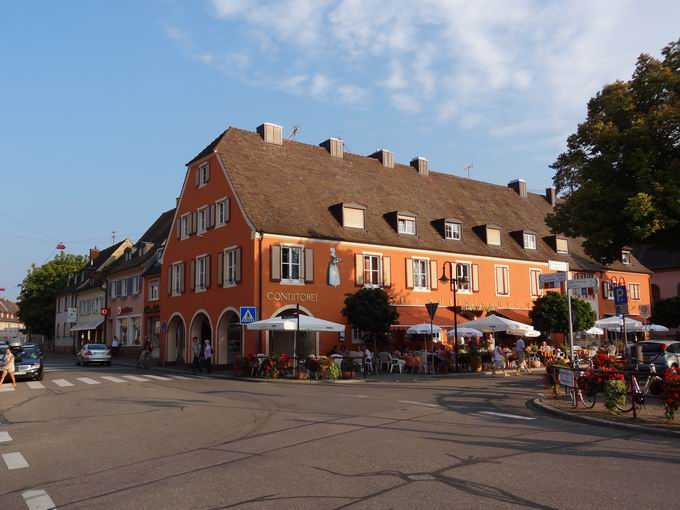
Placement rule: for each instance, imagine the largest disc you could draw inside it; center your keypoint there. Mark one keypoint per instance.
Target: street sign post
(620, 295)
(248, 314)
(552, 278)
(622, 309)
(582, 283)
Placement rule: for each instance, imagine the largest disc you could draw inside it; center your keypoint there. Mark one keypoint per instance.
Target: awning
(514, 314)
(413, 315)
(87, 324)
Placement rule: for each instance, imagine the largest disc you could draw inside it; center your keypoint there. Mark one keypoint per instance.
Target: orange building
(272, 223)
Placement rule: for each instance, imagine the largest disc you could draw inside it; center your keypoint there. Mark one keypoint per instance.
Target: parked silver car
(663, 354)
(94, 353)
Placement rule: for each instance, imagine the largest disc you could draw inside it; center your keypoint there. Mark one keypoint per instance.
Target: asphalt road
(110, 441)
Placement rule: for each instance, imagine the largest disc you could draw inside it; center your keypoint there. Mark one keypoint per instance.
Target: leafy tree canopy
(620, 176)
(667, 312)
(39, 291)
(550, 313)
(369, 310)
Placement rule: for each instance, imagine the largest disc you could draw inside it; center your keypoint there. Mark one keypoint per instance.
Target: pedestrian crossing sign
(248, 314)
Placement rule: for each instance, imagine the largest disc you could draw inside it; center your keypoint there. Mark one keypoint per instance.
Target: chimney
(94, 253)
(420, 164)
(176, 201)
(551, 195)
(385, 157)
(520, 187)
(271, 133)
(334, 146)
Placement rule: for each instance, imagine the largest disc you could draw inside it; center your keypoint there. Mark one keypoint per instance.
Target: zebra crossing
(97, 380)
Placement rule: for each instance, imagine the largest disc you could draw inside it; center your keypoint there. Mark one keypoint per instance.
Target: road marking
(360, 396)
(6, 388)
(181, 377)
(112, 379)
(35, 385)
(87, 380)
(5, 437)
(515, 416)
(135, 378)
(158, 377)
(38, 500)
(62, 382)
(14, 460)
(418, 403)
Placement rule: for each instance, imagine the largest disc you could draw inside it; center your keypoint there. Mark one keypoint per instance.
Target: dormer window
(453, 230)
(493, 236)
(529, 241)
(625, 257)
(353, 216)
(128, 255)
(203, 174)
(561, 245)
(406, 225)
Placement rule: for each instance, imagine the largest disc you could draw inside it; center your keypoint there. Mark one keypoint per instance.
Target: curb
(538, 405)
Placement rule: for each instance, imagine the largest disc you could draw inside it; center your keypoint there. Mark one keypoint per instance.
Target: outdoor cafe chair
(389, 362)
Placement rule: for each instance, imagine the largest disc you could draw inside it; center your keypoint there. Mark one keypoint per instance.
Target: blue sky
(102, 103)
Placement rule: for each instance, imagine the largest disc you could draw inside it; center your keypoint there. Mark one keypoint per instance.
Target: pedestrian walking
(207, 356)
(499, 361)
(8, 368)
(520, 352)
(114, 346)
(196, 355)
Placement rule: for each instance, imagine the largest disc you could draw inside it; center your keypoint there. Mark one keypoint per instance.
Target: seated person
(334, 350)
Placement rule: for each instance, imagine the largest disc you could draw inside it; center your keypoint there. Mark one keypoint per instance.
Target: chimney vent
(520, 187)
(271, 133)
(551, 195)
(420, 164)
(334, 146)
(385, 157)
(94, 253)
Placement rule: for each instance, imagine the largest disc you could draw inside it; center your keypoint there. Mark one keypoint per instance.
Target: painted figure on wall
(333, 271)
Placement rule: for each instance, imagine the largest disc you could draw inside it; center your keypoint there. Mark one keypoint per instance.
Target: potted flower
(313, 367)
(347, 368)
(671, 393)
(551, 379)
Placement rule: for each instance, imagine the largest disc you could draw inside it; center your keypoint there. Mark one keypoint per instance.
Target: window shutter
(210, 223)
(387, 271)
(179, 228)
(474, 285)
(275, 269)
(192, 278)
(409, 273)
(180, 268)
(194, 222)
(227, 210)
(506, 280)
(208, 260)
(434, 282)
(309, 265)
(237, 264)
(359, 270)
(220, 268)
(197, 175)
(207, 172)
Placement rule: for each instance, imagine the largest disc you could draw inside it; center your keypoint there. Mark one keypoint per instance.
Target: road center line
(515, 416)
(87, 380)
(62, 382)
(112, 379)
(35, 385)
(14, 460)
(5, 437)
(136, 378)
(38, 500)
(413, 402)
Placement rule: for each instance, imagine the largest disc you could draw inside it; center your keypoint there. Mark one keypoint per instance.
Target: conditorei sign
(298, 297)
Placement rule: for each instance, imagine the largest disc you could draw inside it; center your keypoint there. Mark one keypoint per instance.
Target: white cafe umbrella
(594, 331)
(307, 323)
(465, 331)
(656, 328)
(529, 333)
(615, 323)
(494, 323)
(423, 329)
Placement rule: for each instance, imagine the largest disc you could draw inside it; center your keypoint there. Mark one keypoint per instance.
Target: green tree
(369, 310)
(550, 313)
(620, 177)
(667, 312)
(39, 291)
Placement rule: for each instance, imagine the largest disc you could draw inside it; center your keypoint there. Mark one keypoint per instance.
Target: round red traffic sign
(105, 311)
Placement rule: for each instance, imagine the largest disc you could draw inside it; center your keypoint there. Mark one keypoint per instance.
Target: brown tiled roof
(290, 189)
(514, 315)
(412, 315)
(7, 306)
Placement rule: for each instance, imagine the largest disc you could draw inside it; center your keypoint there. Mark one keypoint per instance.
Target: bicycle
(635, 399)
(578, 394)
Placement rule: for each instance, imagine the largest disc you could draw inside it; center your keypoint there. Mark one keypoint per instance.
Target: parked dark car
(28, 360)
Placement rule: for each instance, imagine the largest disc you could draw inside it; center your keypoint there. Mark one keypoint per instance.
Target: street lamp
(454, 280)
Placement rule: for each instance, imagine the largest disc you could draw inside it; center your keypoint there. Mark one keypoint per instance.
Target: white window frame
(229, 267)
(423, 276)
(529, 245)
(223, 204)
(534, 281)
(200, 273)
(452, 234)
(202, 220)
(344, 217)
(290, 248)
(203, 170)
(608, 291)
(634, 295)
(357, 336)
(184, 226)
(177, 278)
(405, 221)
(468, 287)
(154, 288)
(371, 256)
(488, 237)
(506, 281)
(625, 257)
